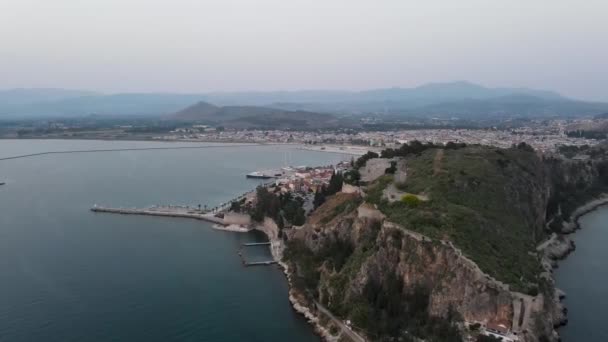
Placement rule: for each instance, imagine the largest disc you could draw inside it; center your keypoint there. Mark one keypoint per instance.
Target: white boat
(259, 175)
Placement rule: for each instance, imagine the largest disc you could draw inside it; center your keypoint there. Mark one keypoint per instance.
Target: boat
(2, 183)
(259, 175)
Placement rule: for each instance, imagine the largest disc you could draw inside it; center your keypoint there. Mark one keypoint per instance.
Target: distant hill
(15, 97)
(512, 106)
(255, 117)
(463, 99)
(418, 96)
(37, 103)
(602, 116)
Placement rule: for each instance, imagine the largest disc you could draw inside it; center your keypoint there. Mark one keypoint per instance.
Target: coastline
(353, 150)
(559, 247)
(312, 318)
(554, 247)
(573, 224)
(270, 229)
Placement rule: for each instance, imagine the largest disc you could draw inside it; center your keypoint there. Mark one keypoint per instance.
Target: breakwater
(134, 149)
(168, 211)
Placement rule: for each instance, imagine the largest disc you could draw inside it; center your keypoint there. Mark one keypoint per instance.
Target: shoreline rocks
(558, 248)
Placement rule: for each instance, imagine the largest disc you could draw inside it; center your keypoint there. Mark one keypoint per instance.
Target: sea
(583, 275)
(68, 274)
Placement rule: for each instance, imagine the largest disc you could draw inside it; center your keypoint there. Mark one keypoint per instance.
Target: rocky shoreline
(573, 224)
(303, 310)
(558, 247)
(276, 250)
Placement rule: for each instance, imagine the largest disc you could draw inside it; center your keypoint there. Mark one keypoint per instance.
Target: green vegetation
(352, 177)
(391, 169)
(343, 208)
(576, 182)
(416, 147)
(390, 310)
(410, 200)
(334, 186)
(571, 151)
(333, 330)
(359, 163)
(386, 309)
(481, 203)
(283, 208)
(587, 134)
(487, 201)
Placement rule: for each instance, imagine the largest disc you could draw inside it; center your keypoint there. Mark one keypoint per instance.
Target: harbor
(230, 215)
(137, 268)
(220, 216)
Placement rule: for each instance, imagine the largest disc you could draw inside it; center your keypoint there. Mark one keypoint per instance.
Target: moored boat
(259, 175)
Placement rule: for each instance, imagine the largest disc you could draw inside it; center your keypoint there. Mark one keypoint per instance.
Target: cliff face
(453, 281)
(455, 290)
(399, 270)
(574, 183)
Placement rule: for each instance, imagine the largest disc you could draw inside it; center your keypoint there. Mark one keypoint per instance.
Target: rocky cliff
(402, 270)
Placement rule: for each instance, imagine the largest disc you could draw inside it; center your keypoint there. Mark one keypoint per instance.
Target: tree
(392, 169)
(364, 158)
(335, 184)
(352, 177)
(319, 197)
(235, 206)
(267, 204)
(525, 147)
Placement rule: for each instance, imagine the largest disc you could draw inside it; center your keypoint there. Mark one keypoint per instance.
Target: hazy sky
(207, 45)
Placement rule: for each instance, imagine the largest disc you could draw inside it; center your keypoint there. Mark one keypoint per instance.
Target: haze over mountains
(453, 99)
(257, 117)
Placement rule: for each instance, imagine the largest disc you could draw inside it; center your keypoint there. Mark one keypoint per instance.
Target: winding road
(345, 329)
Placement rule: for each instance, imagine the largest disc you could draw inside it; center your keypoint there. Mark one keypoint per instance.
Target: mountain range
(256, 117)
(461, 99)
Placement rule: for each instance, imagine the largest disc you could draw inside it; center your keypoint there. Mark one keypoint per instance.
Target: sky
(240, 45)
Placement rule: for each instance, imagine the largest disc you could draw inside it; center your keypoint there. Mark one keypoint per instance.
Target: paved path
(346, 330)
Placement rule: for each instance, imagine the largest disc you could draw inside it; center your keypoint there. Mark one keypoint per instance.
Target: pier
(255, 263)
(256, 244)
(261, 263)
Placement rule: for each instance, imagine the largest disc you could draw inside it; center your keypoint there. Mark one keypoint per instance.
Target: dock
(255, 263)
(256, 244)
(261, 263)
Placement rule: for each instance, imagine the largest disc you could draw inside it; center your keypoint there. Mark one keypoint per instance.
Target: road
(345, 329)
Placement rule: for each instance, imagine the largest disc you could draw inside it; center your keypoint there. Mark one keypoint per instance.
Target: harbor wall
(231, 217)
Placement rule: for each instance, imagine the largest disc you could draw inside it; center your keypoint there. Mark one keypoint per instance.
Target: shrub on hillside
(411, 200)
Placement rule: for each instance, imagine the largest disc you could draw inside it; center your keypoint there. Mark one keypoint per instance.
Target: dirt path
(437, 162)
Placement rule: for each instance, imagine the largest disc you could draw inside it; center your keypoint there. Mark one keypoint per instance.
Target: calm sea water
(584, 277)
(67, 274)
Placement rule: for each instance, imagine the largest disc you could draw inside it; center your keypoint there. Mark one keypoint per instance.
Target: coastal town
(237, 215)
(303, 171)
(545, 138)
